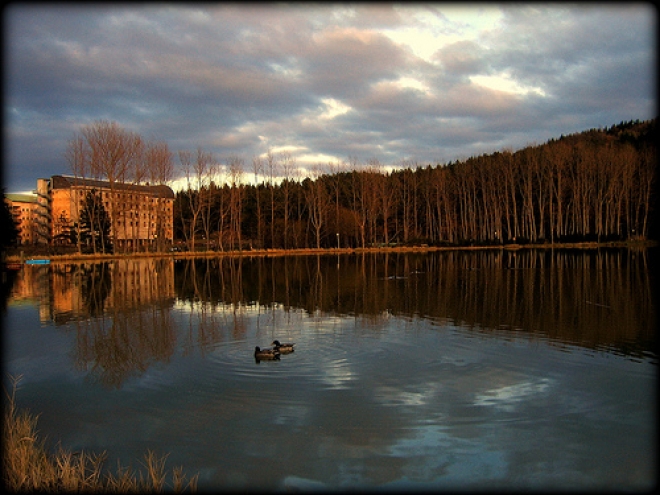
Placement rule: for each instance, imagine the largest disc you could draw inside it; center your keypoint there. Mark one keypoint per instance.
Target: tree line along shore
(15, 256)
(596, 186)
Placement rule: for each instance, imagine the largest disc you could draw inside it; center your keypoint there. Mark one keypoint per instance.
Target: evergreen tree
(8, 226)
(95, 224)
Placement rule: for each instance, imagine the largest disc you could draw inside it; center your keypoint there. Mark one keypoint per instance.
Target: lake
(491, 369)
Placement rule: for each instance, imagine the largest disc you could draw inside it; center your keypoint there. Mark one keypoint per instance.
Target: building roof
(21, 198)
(66, 182)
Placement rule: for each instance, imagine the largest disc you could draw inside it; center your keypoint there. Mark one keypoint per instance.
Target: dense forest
(597, 185)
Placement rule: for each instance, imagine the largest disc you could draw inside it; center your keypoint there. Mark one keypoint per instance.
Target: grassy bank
(12, 257)
(28, 466)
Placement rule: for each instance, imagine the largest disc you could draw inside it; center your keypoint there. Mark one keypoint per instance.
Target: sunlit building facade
(140, 215)
(24, 211)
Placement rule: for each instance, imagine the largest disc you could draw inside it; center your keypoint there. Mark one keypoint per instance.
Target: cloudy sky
(428, 83)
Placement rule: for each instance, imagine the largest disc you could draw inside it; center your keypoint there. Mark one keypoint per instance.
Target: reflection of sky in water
(387, 401)
(337, 372)
(507, 397)
(394, 397)
(436, 458)
(37, 352)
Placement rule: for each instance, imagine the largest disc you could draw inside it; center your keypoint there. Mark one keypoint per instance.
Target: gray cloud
(236, 79)
(462, 57)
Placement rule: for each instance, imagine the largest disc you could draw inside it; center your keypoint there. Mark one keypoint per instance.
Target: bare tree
(647, 176)
(113, 154)
(510, 178)
(317, 199)
(371, 187)
(204, 170)
(444, 204)
(409, 200)
(288, 170)
(488, 181)
(158, 158)
(258, 168)
(528, 172)
(386, 193)
(300, 207)
(196, 174)
(221, 210)
(235, 167)
(77, 156)
(209, 193)
(271, 164)
(334, 170)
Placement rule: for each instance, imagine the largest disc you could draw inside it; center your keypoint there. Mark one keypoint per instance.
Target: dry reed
(28, 466)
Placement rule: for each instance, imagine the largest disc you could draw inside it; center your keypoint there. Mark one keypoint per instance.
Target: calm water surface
(443, 370)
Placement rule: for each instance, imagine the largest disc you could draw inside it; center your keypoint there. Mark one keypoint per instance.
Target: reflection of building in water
(66, 301)
(136, 283)
(32, 284)
(75, 291)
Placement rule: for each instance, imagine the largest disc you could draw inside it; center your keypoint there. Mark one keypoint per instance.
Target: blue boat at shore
(37, 262)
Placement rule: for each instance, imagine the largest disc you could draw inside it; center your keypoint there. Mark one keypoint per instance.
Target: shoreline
(64, 258)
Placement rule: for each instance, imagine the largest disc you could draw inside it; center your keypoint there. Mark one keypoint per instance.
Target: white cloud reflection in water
(443, 460)
(508, 397)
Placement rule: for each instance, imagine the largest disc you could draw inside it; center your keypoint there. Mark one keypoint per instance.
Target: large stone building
(141, 215)
(23, 208)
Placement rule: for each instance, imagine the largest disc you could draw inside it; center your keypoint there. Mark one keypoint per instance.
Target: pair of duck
(273, 352)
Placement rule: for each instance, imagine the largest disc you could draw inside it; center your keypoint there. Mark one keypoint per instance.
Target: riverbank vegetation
(17, 256)
(28, 466)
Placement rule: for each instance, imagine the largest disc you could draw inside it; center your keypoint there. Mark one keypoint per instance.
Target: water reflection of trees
(124, 345)
(121, 310)
(595, 299)
(129, 328)
(96, 286)
(7, 280)
(598, 299)
(211, 289)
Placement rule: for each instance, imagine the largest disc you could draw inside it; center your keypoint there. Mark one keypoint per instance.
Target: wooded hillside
(596, 185)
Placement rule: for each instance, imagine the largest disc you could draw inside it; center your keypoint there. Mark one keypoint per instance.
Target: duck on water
(282, 348)
(266, 353)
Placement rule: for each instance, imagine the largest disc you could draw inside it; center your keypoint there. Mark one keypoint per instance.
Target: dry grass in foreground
(27, 466)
